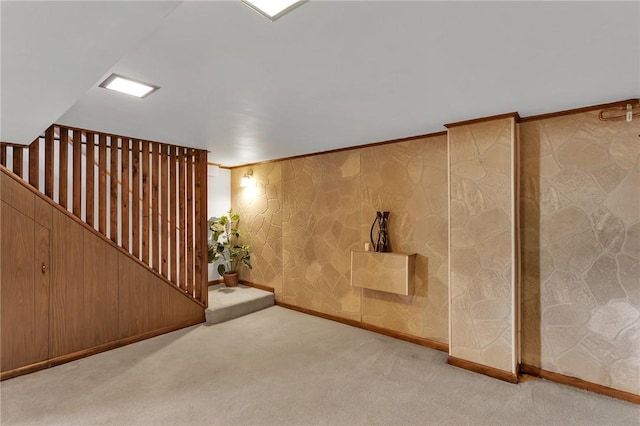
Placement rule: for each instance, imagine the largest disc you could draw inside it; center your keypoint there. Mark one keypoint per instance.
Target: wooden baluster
(135, 198)
(90, 177)
(17, 160)
(200, 244)
(102, 185)
(145, 202)
(181, 218)
(3, 154)
(155, 205)
(190, 222)
(173, 224)
(63, 178)
(77, 173)
(48, 162)
(34, 163)
(164, 220)
(113, 199)
(125, 193)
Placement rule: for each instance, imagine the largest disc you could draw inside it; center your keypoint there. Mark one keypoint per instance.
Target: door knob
(44, 268)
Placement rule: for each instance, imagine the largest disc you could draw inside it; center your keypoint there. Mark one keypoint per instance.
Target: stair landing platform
(226, 303)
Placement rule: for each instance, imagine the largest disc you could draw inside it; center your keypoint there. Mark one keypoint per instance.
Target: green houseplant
(224, 246)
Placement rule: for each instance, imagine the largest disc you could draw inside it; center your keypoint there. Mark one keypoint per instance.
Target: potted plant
(224, 246)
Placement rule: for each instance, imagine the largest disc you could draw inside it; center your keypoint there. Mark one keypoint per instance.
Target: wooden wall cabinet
(388, 272)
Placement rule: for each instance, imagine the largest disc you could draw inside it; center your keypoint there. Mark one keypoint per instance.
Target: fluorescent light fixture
(273, 9)
(126, 85)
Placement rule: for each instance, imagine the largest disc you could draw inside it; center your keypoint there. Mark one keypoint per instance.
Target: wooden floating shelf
(388, 272)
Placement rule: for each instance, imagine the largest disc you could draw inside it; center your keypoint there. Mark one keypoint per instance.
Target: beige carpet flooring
(280, 367)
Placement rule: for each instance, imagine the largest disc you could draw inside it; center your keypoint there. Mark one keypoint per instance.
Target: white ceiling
(328, 75)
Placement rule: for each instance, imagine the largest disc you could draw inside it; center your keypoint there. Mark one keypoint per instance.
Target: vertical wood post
(155, 234)
(113, 186)
(34, 163)
(135, 198)
(77, 173)
(63, 178)
(125, 193)
(145, 202)
(48, 162)
(164, 219)
(90, 178)
(173, 224)
(102, 185)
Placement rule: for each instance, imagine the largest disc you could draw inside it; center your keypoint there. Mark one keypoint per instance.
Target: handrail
(162, 219)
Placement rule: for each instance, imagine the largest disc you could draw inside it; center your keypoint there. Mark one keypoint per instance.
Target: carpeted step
(226, 303)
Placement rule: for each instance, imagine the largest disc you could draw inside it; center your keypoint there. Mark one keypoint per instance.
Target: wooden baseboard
(95, 350)
(214, 282)
(258, 286)
(370, 327)
(483, 369)
(579, 383)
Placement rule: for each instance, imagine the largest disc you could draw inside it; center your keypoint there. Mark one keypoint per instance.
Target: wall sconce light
(247, 179)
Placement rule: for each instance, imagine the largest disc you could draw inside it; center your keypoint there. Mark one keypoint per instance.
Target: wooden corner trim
(581, 384)
(333, 151)
(514, 115)
(483, 369)
(577, 110)
(96, 350)
(432, 344)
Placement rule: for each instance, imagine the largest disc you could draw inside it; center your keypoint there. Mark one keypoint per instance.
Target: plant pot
(231, 279)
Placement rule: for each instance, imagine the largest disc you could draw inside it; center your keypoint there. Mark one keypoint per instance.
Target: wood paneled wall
(66, 291)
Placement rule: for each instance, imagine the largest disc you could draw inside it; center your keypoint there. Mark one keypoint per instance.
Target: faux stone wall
(409, 179)
(483, 291)
(320, 227)
(260, 209)
(580, 205)
(316, 209)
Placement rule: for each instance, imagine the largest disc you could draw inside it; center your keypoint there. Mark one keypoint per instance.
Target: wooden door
(24, 289)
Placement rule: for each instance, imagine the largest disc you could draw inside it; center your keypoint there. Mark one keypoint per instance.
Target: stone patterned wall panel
(580, 207)
(482, 219)
(260, 209)
(321, 225)
(409, 179)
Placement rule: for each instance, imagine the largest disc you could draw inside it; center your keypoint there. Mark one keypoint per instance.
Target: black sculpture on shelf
(381, 244)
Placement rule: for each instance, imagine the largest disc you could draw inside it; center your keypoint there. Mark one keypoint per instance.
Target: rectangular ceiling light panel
(126, 85)
(273, 9)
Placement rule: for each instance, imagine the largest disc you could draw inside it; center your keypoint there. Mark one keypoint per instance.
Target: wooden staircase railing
(147, 197)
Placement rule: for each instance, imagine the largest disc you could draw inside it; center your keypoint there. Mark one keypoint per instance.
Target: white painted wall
(218, 201)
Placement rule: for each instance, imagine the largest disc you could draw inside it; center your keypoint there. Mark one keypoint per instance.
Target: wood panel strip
(164, 218)
(90, 177)
(113, 186)
(135, 198)
(387, 332)
(190, 221)
(155, 204)
(34, 163)
(3, 155)
(199, 242)
(579, 383)
(506, 376)
(17, 161)
(145, 202)
(173, 224)
(125, 152)
(181, 218)
(102, 185)
(48, 161)
(77, 173)
(63, 169)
